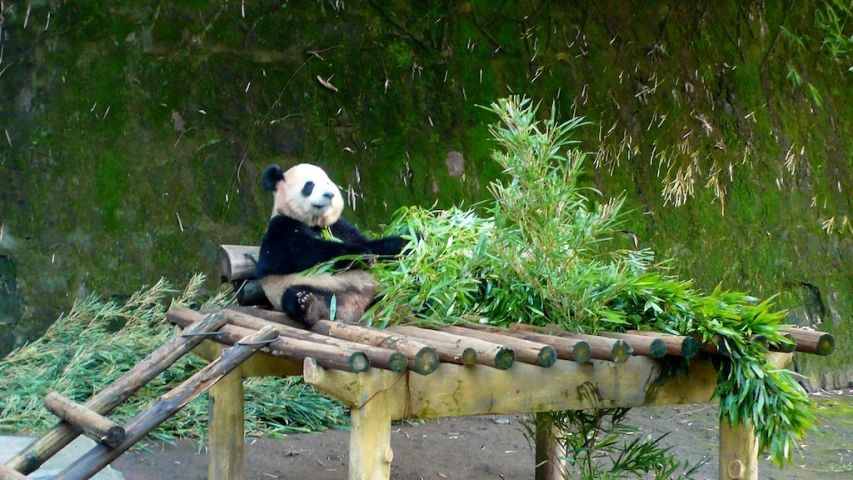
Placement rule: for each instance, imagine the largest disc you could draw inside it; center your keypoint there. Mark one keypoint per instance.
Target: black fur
(290, 302)
(290, 246)
(272, 175)
(307, 189)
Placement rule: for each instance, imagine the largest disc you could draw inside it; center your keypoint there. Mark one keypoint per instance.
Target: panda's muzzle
(326, 200)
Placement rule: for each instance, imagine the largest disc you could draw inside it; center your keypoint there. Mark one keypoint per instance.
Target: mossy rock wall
(135, 133)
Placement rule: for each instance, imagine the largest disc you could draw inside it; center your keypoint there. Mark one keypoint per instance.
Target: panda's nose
(329, 195)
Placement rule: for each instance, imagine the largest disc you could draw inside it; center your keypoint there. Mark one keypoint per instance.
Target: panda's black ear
(272, 175)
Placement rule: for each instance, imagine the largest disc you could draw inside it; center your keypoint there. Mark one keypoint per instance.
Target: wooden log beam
(268, 315)
(600, 348)
(250, 293)
(103, 402)
(423, 359)
(457, 391)
(335, 357)
(641, 345)
(812, 341)
(168, 404)
(676, 345)
(525, 350)
(565, 348)
(447, 352)
(488, 353)
(379, 357)
(237, 262)
(99, 427)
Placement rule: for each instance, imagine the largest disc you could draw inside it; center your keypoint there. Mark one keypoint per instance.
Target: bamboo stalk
(103, 402)
(526, 351)
(167, 405)
(600, 348)
(488, 353)
(8, 473)
(565, 348)
(237, 262)
(103, 429)
(642, 345)
(423, 359)
(379, 357)
(676, 345)
(812, 341)
(337, 358)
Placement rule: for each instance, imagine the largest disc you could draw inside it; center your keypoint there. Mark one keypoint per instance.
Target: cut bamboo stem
(103, 402)
(642, 345)
(565, 348)
(676, 345)
(101, 428)
(600, 348)
(488, 353)
(812, 341)
(379, 357)
(337, 358)
(423, 359)
(8, 473)
(167, 405)
(237, 262)
(526, 351)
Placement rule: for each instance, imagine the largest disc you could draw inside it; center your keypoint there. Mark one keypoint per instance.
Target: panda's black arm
(387, 246)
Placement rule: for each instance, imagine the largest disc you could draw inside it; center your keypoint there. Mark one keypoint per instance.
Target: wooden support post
(166, 406)
(101, 428)
(548, 451)
(103, 402)
(226, 428)
(370, 453)
(738, 452)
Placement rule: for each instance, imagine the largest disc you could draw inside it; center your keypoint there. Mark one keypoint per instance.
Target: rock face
(134, 134)
(9, 446)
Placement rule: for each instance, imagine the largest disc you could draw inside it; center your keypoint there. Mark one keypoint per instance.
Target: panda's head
(305, 193)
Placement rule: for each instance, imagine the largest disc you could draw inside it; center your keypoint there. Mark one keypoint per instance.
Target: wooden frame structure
(393, 374)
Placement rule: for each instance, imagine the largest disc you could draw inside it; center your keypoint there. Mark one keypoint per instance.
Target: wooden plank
(167, 405)
(738, 452)
(458, 391)
(226, 427)
(488, 353)
(290, 348)
(103, 402)
(100, 428)
(525, 350)
(237, 262)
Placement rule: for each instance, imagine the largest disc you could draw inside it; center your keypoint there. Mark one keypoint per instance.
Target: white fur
(321, 208)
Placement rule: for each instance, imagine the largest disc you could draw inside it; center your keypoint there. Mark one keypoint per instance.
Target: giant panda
(307, 205)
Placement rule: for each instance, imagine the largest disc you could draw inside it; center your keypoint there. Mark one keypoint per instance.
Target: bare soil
(495, 447)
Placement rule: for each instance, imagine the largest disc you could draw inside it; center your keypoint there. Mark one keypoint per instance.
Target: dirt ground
(495, 447)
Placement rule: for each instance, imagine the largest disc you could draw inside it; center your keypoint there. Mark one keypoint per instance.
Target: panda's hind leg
(306, 304)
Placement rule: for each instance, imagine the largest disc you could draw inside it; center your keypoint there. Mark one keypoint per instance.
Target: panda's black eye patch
(307, 189)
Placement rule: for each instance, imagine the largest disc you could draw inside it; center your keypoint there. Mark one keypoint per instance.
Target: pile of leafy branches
(546, 253)
(99, 340)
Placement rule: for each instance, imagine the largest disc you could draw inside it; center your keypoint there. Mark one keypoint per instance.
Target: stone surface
(10, 445)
